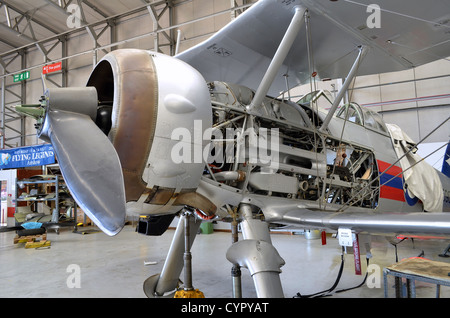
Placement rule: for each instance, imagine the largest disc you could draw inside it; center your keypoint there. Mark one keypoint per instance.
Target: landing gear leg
(258, 255)
(165, 284)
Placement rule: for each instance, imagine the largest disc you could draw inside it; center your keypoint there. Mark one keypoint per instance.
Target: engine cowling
(154, 95)
(115, 138)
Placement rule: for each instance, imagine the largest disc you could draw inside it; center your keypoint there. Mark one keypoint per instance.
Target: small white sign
(345, 237)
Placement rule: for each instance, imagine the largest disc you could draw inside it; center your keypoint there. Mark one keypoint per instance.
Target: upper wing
(410, 33)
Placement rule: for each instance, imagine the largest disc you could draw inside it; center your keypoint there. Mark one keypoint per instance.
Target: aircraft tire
(31, 232)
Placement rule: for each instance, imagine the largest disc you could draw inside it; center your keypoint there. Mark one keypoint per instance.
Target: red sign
(356, 255)
(52, 68)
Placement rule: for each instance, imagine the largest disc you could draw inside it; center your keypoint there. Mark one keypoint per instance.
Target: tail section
(446, 162)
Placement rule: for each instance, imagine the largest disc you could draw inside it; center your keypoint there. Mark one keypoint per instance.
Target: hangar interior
(73, 36)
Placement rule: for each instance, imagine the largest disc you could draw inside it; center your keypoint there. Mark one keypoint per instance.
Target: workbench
(417, 269)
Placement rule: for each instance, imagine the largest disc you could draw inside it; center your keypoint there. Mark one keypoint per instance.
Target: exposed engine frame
(291, 159)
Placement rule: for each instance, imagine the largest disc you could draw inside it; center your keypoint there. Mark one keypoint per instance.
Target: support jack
(236, 269)
(188, 290)
(446, 251)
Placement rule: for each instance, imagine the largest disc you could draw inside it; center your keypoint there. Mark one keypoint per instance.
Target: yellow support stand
(33, 241)
(30, 238)
(189, 294)
(37, 244)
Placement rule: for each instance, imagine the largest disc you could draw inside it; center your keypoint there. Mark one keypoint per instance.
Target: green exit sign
(21, 77)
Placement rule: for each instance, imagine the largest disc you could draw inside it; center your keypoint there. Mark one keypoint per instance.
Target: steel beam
(2, 104)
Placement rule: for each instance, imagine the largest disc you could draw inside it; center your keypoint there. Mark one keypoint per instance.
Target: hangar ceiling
(25, 22)
(35, 33)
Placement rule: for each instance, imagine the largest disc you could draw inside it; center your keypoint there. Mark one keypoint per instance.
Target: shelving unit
(47, 191)
(40, 197)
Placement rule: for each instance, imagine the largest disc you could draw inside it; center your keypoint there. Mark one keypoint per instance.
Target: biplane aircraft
(210, 135)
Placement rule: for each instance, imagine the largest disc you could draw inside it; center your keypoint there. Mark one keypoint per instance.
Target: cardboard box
(83, 218)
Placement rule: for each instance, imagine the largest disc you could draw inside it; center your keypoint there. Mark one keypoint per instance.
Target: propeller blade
(44, 82)
(90, 167)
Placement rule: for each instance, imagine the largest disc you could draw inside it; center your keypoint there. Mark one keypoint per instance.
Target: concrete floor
(114, 266)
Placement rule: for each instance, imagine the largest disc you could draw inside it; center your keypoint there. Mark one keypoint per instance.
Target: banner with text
(27, 157)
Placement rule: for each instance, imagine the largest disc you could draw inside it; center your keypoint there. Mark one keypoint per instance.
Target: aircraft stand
(258, 255)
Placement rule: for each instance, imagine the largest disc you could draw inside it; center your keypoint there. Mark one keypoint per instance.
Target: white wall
(10, 177)
(417, 100)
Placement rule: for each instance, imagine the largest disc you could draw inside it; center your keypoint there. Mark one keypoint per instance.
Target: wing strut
(362, 53)
(279, 57)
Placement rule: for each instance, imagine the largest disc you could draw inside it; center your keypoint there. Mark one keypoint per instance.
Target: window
(362, 116)
(351, 112)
